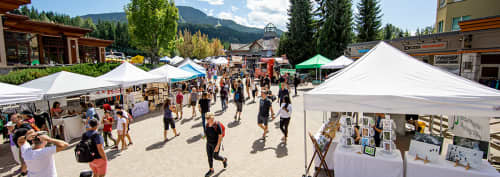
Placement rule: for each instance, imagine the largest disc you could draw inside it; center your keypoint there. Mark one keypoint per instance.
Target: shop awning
(386, 80)
(63, 84)
(313, 63)
(12, 94)
(339, 63)
(173, 74)
(127, 75)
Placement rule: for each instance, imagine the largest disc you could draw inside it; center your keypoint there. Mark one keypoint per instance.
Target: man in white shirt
(40, 159)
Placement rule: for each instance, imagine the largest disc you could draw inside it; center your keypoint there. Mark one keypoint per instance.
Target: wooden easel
(425, 160)
(467, 167)
(322, 156)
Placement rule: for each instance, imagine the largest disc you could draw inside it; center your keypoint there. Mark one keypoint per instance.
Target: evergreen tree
(389, 32)
(335, 33)
(300, 31)
(368, 20)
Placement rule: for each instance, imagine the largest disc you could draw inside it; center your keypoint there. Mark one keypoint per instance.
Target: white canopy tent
(127, 75)
(176, 60)
(386, 80)
(12, 94)
(339, 63)
(64, 83)
(188, 61)
(220, 61)
(172, 74)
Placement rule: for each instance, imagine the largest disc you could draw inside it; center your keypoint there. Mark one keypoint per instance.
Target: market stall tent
(165, 59)
(387, 80)
(190, 62)
(191, 69)
(64, 84)
(127, 75)
(172, 74)
(219, 61)
(339, 63)
(176, 60)
(12, 94)
(313, 63)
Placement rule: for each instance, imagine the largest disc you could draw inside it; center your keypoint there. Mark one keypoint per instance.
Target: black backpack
(86, 149)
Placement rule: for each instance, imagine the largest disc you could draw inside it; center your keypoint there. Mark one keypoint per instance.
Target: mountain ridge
(188, 15)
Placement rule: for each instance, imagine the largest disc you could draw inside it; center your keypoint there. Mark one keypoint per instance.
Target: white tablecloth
(348, 163)
(444, 168)
(329, 156)
(74, 127)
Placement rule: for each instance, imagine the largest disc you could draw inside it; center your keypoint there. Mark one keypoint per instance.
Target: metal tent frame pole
(305, 146)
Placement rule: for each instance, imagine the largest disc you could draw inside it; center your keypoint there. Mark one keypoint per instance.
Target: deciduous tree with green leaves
(152, 24)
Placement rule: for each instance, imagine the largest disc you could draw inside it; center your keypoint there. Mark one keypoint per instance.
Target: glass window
(456, 20)
(442, 3)
(21, 48)
(440, 26)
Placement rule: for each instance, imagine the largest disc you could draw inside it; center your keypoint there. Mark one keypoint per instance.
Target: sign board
(289, 71)
(140, 109)
(426, 46)
(369, 150)
(236, 59)
(446, 60)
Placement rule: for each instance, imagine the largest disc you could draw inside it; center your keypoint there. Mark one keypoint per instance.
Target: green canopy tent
(314, 63)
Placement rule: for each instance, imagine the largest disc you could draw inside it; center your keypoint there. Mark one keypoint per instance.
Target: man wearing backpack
(100, 163)
(239, 99)
(215, 132)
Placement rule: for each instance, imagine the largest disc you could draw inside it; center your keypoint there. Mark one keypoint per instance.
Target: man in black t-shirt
(263, 117)
(204, 107)
(214, 140)
(100, 163)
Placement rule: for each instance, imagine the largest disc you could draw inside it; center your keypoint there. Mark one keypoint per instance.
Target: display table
(329, 156)
(74, 127)
(444, 168)
(348, 163)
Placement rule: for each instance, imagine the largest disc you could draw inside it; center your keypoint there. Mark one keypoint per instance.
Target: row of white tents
(64, 84)
(176, 60)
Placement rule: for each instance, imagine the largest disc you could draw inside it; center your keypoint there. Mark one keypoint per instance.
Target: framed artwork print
(366, 121)
(387, 146)
(387, 124)
(430, 139)
(387, 135)
(370, 150)
(365, 132)
(424, 150)
(464, 156)
(472, 144)
(365, 141)
(348, 121)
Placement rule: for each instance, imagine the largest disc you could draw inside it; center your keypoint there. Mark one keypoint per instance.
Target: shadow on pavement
(277, 124)
(233, 124)
(281, 150)
(113, 154)
(218, 113)
(197, 125)
(219, 173)
(184, 120)
(157, 145)
(259, 145)
(193, 139)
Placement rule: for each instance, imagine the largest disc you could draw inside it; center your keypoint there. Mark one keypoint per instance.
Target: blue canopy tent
(165, 59)
(193, 70)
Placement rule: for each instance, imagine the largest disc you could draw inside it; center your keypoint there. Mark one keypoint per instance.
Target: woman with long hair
(285, 113)
(168, 120)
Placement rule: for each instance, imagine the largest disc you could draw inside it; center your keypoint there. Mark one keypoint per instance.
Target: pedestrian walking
(254, 90)
(121, 129)
(20, 129)
(223, 97)
(178, 100)
(296, 82)
(100, 163)
(215, 134)
(193, 98)
(263, 117)
(283, 92)
(107, 121)
(168, 121)
(285, 114)
(129, 119)
(248, 84)
(39, 158)
(239, 99)
(204, 107)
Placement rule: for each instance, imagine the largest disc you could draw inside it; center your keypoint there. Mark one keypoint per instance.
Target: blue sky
(407, 14)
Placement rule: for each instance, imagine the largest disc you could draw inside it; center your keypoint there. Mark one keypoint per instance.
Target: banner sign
(446, 60)
(140, 109)
(289, 71)
(236, 59)
(427, 46)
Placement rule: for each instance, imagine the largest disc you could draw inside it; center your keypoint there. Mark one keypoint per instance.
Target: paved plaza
(186, 156)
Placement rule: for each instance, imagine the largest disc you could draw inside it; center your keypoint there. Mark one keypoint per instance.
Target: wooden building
(24, 42)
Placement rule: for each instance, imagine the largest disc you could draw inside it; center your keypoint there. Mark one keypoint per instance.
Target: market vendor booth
(405, 86)
(172, 75)
(56, 88)
(314, 63)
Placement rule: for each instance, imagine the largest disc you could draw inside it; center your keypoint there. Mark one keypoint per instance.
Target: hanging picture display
(464, 156)
(470, 127)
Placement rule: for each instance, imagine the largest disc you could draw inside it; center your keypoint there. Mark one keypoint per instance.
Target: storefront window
(440, 26)
(489, 72)
(53, 49)
(442, 3)
(21, 48)
(88, 54)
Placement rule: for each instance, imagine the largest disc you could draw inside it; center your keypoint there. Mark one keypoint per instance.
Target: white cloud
(265, 11)
(209, 12)
(238, 19)
(234, 8)
(213, 2)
